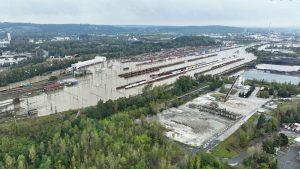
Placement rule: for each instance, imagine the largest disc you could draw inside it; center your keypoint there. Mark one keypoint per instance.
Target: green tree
(284, 140)
(21, 162)
(183, 84)
(264, 94)
(9, 161)
(154, 107)
(268, 147)
(272, 125)
(243, 138)
(45, 163)
(261, 121)
(32, 154)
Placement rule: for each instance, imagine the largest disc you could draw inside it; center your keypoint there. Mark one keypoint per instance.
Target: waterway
(270, 77)
(280, 68)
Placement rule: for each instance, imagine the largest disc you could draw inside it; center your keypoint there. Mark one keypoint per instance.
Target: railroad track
(17, 92)
(203, 57)
(183, 71)
(148, 70)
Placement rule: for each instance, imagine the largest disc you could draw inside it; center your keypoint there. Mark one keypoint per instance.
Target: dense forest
(40, 29)
(114, 134)
(111, 47)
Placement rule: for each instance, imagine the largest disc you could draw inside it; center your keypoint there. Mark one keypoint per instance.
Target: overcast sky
(258, 13)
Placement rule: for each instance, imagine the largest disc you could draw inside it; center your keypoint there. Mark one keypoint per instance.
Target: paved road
(239, 123)
(289, 160)
(237, 160)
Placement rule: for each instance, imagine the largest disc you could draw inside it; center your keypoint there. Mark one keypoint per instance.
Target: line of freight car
(198, 58)
(150, 62)
(165, 75)
(152, 80)
(171, 64)
(183, 69)
(186, 68)
(167, 72)
(142, 82)
(20, 91)
(217, 66)
(122, 87)
(53, 86)
(139, 72)
(151, 59)
(17, 94)
(199, 65)
(136, 84)
(148, 70)
(23, 90)
(226, 63)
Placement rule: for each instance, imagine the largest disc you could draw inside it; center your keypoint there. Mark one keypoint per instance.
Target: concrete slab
(200, 129)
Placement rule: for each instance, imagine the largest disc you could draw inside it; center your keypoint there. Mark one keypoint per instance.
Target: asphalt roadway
(288, 160)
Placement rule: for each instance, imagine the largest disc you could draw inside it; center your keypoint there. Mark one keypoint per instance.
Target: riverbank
(259, 75)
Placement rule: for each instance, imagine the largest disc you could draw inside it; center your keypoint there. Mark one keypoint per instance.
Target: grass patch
(218, 96)
(226, 90)
(230, 147)
(252, 119)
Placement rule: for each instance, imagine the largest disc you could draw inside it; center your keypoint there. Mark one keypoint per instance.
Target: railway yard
(117, 78)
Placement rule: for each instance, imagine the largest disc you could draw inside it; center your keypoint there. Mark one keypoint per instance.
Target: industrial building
(9, 58)
(96, 60)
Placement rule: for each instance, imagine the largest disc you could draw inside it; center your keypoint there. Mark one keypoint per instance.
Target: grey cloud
(160, 12)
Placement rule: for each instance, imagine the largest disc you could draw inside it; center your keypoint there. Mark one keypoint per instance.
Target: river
(270, 77)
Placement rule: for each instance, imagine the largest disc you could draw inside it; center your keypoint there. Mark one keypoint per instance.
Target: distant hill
(20, 28)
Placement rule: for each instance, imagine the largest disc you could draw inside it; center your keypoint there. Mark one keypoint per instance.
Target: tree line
(275, 89)
(274, 58)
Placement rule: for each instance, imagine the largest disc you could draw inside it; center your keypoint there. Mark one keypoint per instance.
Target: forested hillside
(39, 29)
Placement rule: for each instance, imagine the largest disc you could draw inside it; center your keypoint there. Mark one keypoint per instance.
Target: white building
(240, 82)
(3, 44)
(245, 89)
(60, 39)
(6, 41)
(98, 59)
(8, 37)
(9, 58)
